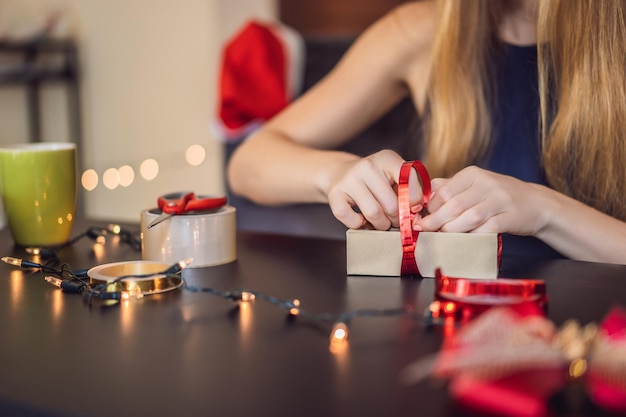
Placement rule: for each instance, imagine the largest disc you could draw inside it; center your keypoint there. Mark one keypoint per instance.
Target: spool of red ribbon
(463, 299)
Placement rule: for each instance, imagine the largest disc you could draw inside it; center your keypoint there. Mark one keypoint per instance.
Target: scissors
(184, 202)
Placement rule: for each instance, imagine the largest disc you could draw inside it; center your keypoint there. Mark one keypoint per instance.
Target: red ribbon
(610, 391)
(524, 392)
(406, 216)
(464, 299)
(520, 395)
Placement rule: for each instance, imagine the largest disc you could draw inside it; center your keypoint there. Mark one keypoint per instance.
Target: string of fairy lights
(124, 288)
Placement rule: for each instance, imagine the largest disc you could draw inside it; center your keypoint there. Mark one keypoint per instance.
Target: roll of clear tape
(209, 238)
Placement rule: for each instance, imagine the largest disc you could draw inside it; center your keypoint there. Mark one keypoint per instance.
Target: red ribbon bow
(506, 363)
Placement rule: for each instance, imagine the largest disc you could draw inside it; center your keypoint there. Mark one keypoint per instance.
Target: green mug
(39, 190)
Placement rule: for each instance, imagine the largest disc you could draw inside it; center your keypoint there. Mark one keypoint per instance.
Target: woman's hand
(477, 200)
(363, 191)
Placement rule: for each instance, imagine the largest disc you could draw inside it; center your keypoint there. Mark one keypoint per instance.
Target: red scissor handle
(177, 203)
(205, 203)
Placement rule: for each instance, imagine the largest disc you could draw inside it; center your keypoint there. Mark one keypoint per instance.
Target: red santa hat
(261, 72)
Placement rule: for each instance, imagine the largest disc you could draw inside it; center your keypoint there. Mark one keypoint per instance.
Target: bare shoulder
(414, 22)
(409, 24)
(401, 36)
(387, 62)
(410, 27)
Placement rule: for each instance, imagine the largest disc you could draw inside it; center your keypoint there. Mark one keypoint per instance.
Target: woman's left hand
(477, 200)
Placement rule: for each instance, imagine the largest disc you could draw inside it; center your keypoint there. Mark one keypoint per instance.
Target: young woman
(520, 139)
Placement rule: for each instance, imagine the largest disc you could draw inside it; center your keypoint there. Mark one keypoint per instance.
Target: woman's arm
(290, 158)
(476, 200)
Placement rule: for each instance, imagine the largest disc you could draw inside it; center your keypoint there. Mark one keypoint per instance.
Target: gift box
(467, 255)
(404, 251)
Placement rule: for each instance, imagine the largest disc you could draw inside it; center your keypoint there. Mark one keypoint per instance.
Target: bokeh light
(111, 178)
(89, 180)
(127, 175)
(195, 155)
(149, 169)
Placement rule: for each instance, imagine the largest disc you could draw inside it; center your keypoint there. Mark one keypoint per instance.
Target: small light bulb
(294, 311)
(449, 307)
(54, 281)
(115, 229)
(577, 368)
(20, 263)
(247, 296)
(339, 333)
(434, 307)
(12, 261)
(33, 251)
(134, 293)
(185, 263)
(178, 266)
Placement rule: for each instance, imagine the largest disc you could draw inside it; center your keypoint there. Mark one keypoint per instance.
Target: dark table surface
(183, 353)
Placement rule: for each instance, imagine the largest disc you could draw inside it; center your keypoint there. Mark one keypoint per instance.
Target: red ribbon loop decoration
(408, 235)
(507, 363)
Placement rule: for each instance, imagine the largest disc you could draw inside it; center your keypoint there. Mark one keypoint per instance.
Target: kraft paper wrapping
(464, 255)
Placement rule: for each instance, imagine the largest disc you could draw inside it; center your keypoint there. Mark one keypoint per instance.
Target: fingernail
(417, 208)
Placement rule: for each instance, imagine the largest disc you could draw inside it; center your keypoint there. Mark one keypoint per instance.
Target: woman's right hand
(364, 190)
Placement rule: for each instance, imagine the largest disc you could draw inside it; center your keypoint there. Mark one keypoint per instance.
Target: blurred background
(135, 84)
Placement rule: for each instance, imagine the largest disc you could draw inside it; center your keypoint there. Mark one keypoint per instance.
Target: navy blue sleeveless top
(516, 149)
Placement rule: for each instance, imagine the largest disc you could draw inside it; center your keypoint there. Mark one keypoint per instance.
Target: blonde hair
(582, 73)
(457, 121)
(583, 66)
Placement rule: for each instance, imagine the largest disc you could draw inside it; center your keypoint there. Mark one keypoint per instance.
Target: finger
(471, 219)
(386, 199)
(497, 224)
(490, 226)
(482, 217)
(341, 207)
(371, 208)
(446, 189)
(381, 171)
(436, 184)
(461, 206)
(416, 195)
(391, 164)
